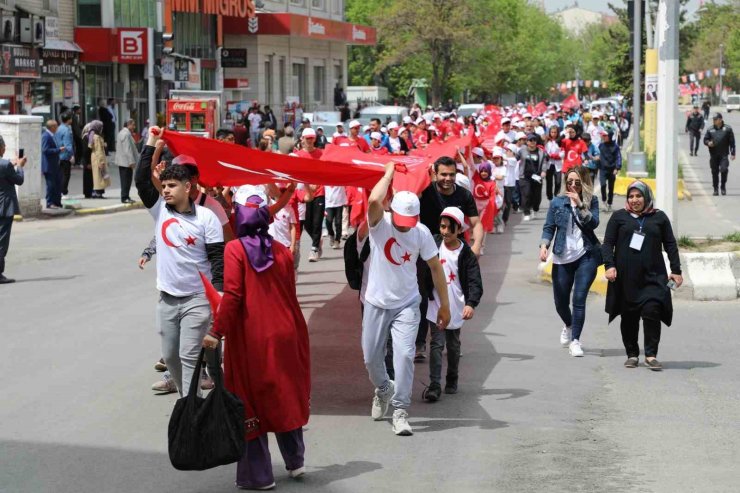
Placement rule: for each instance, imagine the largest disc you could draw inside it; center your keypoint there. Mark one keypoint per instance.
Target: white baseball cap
(354, 123)
(520, 135)
(309, 132)
(462, 181)
(505, 119)
(478, 151)
(376, 136)
(405, 209)
(419, 121)
(498, 152)
(456, 215)
(406, 120)
(527, 115)
(392, 125)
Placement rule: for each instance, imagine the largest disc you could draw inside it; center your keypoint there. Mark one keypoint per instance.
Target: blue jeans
(577, 277)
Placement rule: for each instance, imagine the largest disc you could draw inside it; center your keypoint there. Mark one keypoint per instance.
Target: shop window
(298, 3)
(300, 88)
(317, 4)
(178, 121)
(319, 84)
(268, 82)
(195, 35)
(135, 13)
(89, 13)
(337, 6)
(197, 122)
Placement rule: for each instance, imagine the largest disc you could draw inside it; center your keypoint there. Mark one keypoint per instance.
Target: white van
(383, 113)
(733, 102)
(468, 109)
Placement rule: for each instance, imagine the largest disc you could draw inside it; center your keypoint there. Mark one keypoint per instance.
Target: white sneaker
(575, 349)
(297, 473)
(566, 336)
(381, 402)
(401, 426)
(314, 256)
(527, 218)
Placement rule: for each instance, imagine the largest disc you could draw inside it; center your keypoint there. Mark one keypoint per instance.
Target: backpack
(354, 263)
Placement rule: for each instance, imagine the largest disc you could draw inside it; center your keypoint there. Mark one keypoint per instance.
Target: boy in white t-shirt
(464, 290)
(283, 229)
(392, 297)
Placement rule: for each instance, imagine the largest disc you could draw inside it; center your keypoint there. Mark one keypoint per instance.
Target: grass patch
(686, 242)
(733, 237)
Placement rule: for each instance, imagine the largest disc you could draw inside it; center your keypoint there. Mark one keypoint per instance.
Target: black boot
(724, 191)
(451, 386)
(432, 393)
(716, 192)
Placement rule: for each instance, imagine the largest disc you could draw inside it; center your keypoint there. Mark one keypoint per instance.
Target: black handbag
(206, 432)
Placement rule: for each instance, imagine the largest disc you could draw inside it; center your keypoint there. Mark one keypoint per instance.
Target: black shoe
(631, 362)
(654, 364)
(432, 393)
(716, 192)
(6, 280)
(451, 388)
(724, 191)
(127, 201)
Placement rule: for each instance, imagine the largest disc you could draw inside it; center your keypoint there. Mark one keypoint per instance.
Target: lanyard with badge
(638, 237)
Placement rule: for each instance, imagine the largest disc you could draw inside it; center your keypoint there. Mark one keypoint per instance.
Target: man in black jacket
(11, 175)
(694, 126)
(721, 143)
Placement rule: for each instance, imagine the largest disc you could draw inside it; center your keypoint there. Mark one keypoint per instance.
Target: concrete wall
(24, 132)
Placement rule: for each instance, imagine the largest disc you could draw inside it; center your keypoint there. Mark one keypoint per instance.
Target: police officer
(694, 126)
(721, 143)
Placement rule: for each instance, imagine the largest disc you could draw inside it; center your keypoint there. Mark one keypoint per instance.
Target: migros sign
(227, 8)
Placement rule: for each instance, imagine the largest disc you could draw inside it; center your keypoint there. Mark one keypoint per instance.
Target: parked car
(733, 102)
(384, 113)
(468, 109)
(609, 106)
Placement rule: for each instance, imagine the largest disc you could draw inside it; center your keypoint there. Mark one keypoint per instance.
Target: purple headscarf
(252, 221)
(92, 128)
(485, 166)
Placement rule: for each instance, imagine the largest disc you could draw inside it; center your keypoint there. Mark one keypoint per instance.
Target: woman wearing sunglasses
(569, 228)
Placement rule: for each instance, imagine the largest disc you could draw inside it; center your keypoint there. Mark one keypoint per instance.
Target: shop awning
(302, 26)
(61, 45)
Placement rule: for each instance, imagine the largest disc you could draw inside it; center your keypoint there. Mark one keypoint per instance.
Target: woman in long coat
(638, 281)
(266, 358)
(94, 159)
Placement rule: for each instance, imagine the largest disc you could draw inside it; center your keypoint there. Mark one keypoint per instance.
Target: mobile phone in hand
(671, 284)
(21, 153)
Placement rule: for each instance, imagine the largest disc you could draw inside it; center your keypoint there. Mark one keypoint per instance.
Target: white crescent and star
(406, 257)
(481, 195)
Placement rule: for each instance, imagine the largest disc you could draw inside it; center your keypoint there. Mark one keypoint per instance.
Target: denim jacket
(556, 224)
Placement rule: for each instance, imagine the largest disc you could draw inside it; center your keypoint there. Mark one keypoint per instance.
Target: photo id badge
(637, 239)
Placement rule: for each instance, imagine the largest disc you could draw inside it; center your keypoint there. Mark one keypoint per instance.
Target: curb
(109, 209)
(622, 182)
(707, 276)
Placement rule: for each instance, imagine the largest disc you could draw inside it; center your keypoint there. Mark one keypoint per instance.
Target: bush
(686, 242)
(733, 237)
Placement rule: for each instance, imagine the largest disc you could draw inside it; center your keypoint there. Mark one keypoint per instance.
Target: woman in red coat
(266, 360)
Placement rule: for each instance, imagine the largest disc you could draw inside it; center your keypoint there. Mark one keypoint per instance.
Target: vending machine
(193, 116)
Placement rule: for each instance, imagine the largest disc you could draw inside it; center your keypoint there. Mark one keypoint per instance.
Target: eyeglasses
(573, 182)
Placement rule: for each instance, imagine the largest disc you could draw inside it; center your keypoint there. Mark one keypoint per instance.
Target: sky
(602, 5)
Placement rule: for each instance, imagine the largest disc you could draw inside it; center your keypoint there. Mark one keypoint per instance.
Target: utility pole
(666, 176)
(637, 164)
(721, 53)
(152, 89)
(578, 76)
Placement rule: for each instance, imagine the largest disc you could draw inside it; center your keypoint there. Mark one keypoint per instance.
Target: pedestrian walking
(267, 359)
(706, 107)
(532, 171)
(126, 159)
(11, 176)
(720, 139)
(65, 139)
(694, 126)
(639, 286)
(554, 162)
(464, 291)
(95, 178)
(610, 162)
(50, 167)
(392, 297)
(569, 228)
(335, 201)
(190, 241)
(591, 159)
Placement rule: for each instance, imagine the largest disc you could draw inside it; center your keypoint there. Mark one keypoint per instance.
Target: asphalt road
(79, 342)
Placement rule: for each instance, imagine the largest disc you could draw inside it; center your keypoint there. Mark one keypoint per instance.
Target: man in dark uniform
(694, 126)
(11, 174)
(77, 133)
(721, 143)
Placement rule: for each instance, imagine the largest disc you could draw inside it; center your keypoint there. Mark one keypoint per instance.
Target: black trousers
(552, 182)
(440, 339)
(694, 139)
(66, 174)
(127, 176)
(6, 224)
(53, 187)
(315, 221)
(508, 200)
(630, 326)
(87, 181)
(607, 179)
(334, 222)
(531, 195)
(720, 166)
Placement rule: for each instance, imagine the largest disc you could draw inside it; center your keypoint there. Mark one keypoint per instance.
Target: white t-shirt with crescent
(449, 260)
(181, 247)
(392, 279)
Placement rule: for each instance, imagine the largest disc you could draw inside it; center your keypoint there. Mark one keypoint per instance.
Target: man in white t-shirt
(189, 241)
(255, 120)
(392, 297)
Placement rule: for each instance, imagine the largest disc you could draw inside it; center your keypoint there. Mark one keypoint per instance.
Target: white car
(468, 109)
(733, 102)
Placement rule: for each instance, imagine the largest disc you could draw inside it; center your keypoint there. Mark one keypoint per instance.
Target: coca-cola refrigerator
(193, 116)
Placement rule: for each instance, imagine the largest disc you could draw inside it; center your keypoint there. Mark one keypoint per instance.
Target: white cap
(406, 120)
(405, 207)
(462, 181)
(505, 119)
(526, 115)
(568, 123)
(309, 132)
(498, 152)
(595, 114)
(456, 214)
(365, 128)
(435, 116)
(354, 123)
(246, 191)
(340, 124)
(478, 151)
(392, 125)
(376, 136)
(612, 118)
(419, 121)
(512, 147)
(384, 130)
(520, 135)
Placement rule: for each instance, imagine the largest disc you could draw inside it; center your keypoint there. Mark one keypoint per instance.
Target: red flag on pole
(570, 102)
(213, 296)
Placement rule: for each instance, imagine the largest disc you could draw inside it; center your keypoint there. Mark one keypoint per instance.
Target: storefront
(60, 73)
(19, 67)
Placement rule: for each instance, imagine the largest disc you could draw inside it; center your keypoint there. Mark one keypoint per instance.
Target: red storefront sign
(236, 83)
(302, 26)
(132, 46)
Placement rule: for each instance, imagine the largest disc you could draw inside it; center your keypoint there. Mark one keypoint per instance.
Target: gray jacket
(531, 163)
(10, 176)
(126, 152)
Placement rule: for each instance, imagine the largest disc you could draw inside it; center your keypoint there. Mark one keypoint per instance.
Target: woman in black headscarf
(639, 285)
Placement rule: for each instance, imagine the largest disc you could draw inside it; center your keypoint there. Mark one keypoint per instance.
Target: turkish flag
(574, 150)
(213, 296)
(570, 102)
(484, 193)
(540, 108)
(530, 109)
